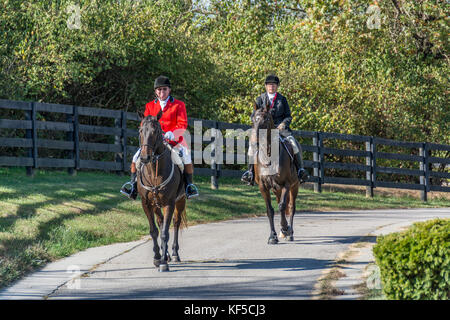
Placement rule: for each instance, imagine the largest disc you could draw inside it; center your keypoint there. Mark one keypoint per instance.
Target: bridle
(267, 123)
(154, 159)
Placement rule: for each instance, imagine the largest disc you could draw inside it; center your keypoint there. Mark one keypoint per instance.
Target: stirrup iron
(195, 194)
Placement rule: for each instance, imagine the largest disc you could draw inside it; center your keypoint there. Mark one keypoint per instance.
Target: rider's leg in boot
(302, 174)
(131, 193)
(191, 189)
(249, 175)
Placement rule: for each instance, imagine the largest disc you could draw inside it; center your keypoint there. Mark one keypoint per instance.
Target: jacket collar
(265, 98)
(171, 100)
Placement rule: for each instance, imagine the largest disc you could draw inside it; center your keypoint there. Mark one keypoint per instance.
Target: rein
(155, 189)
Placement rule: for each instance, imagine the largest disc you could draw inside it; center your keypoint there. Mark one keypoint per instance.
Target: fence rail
(123, 149)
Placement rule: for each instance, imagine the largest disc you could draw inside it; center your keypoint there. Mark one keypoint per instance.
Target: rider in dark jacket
(281, 114)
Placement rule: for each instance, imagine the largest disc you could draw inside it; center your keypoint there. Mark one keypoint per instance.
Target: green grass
(53, 215)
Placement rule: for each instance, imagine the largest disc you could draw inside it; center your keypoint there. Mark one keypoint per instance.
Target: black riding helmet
(162, 81)
(271, 78)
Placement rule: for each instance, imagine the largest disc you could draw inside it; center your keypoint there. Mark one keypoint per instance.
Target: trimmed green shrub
(415, 264)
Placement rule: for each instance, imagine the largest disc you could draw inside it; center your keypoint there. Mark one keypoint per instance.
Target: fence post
(34, 136)
(424, 167)
(124, 140)
(29, 135)
(369, 173)
(318, 158)
(374, 162)
(118, 141)
(69, 137)
(73, 136)
(76, 137)
(214, 166)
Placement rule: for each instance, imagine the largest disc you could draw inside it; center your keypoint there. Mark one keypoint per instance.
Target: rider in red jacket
(173, 122)
(174, 118)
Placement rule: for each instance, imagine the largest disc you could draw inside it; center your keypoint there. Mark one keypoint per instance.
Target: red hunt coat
(174, 117)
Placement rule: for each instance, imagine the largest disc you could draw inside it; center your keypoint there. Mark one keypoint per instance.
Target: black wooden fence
(368, 149)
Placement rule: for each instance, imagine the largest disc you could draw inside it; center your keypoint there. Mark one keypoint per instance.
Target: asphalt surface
(226, 260)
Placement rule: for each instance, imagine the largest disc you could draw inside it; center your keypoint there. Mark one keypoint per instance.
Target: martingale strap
(155, 189)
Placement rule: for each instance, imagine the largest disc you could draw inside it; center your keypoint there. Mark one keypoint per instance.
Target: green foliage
(110, 61)
(415, 264)
(344, 68)
(340, 71)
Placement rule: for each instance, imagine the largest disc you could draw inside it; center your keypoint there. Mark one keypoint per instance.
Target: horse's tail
(180, 214)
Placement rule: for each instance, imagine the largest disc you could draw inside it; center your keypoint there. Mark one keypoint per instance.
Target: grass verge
(53, 215)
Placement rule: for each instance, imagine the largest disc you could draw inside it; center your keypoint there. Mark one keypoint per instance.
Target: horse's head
(150, 136)
(262, 119)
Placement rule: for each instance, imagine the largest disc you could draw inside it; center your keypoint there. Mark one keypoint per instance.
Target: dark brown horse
(282, 179)
(161, 186)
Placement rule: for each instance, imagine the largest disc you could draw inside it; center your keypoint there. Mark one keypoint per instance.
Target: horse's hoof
(290, 238)
(156, 262)
(163, 267)
(176, 258)
(283, 234)
(272, 241)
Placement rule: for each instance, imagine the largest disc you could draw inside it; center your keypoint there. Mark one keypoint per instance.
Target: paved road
(226, 260)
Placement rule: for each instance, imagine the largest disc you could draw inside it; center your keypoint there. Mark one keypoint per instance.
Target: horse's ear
(140, 115)
(159, 115)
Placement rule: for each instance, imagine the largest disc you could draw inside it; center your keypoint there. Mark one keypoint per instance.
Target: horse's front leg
(149, 212)
(270, 213)
(282, 205)
(177, 219)
(168, 213)
(292, 197)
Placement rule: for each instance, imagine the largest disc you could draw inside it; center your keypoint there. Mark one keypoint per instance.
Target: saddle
(273, 167)
(176, 159)
(287, 145)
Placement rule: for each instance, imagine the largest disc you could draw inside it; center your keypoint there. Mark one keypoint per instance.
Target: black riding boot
(249, 175)
(191, 189)
(132, 192)
(302, 174)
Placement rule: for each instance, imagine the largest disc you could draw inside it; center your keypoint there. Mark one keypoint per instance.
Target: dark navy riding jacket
(280, 111)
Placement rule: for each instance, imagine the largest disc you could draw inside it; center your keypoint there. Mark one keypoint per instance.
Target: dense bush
(415, 264)
(341, 71)
(346, 66)
(106, 55)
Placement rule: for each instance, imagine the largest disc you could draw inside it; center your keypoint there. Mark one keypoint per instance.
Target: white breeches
(253, 147)
(185, 154)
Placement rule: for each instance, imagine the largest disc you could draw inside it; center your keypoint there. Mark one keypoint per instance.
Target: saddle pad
(175, 159)
(273, 167)
(268, 167)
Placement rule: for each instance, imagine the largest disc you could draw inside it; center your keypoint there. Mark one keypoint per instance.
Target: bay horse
(161, 186)
(283, 182)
